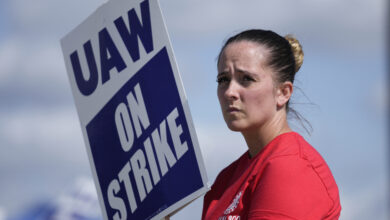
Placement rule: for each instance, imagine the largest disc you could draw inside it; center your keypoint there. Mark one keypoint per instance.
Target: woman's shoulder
(294, 145)
(291, 185)
(297, 169)
(293, 150)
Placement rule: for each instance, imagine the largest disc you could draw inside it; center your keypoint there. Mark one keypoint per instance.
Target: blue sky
(343, 75)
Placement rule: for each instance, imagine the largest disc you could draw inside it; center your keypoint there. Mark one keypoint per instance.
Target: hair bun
(297, 51)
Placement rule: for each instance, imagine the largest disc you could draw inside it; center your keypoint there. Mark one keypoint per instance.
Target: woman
(281, 176)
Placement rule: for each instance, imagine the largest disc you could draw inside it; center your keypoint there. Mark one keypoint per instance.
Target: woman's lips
(232, 109)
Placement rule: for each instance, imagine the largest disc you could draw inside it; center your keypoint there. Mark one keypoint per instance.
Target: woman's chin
(235, 126)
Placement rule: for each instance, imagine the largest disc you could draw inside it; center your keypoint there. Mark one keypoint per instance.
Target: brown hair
(286, 55)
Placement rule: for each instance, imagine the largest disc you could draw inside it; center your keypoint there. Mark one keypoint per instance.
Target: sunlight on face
(246, 89)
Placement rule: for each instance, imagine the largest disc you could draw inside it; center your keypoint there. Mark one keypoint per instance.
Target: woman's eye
(222, 79)
(247, 78)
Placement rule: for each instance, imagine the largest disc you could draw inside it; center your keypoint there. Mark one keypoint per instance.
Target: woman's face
(246, 89)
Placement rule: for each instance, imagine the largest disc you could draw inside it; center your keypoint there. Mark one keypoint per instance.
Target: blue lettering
(109, 55)
(143, 31)
(86, 87)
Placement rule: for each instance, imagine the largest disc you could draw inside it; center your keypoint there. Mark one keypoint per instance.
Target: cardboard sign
(133, 112)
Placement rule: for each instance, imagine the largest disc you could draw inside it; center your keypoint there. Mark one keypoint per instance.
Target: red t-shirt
(287, 179)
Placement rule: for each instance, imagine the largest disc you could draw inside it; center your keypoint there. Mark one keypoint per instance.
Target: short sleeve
(289, 188)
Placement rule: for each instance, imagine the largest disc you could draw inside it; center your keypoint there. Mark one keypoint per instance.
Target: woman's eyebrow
(222, 73)
(246, 72)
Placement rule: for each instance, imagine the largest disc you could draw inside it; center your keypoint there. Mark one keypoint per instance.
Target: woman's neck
(257, 138)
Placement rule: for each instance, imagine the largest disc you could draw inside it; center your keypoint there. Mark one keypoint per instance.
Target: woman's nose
(231, 92)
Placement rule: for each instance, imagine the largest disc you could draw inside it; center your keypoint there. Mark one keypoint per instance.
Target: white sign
(134, 115)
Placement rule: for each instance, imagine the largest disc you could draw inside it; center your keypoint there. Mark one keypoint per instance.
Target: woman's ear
(284, 93)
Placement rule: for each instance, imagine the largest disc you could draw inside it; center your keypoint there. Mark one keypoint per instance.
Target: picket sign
(134, 115)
